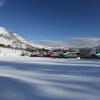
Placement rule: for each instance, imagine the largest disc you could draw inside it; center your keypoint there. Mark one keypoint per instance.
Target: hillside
(14, 40)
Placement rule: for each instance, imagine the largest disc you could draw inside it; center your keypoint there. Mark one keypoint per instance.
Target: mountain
(11, 38)
(53, 44)
(78, 42)
(81, 42)
(8, 37)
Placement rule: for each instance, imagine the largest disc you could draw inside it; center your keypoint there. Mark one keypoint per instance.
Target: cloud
(2, 3)
(78, 42)
(84, 42)
(53, 44)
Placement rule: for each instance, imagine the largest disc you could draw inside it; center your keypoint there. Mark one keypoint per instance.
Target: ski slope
(26, 78)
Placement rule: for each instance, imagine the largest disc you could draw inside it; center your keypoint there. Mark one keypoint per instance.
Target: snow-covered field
(9, 52)
(26, 78)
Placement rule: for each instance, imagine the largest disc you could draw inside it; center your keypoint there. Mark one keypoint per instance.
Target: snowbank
(9, 52)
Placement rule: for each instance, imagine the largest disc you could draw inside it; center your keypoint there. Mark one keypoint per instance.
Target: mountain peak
(2, 28)
(11, 38)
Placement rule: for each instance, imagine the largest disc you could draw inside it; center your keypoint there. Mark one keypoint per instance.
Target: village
(92, 53)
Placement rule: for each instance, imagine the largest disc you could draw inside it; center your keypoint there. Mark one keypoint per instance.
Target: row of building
(65, 53)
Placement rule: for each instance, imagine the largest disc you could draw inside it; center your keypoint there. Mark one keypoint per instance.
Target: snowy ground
(26, 78)
(9, 52)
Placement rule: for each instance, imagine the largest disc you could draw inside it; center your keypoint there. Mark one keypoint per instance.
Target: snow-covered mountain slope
(11, 38)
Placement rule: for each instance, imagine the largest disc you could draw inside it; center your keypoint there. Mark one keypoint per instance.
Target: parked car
(53, 54)
(25, 54)
(34, 54)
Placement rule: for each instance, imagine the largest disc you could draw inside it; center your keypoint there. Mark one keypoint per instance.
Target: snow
(8, 37)
(37, 78)
(9, 52)
(3, 31)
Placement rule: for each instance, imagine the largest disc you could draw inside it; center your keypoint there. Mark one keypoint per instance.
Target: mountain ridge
(11, 38)
(8, 37)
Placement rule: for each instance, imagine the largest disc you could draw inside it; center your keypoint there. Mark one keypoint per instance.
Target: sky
(51, 19)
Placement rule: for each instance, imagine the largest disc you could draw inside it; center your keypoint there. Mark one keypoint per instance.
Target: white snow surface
(26, 78)
(9, 52)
